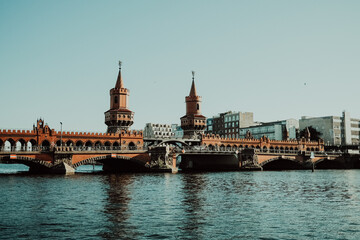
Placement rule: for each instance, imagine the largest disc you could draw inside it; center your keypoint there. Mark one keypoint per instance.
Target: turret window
(197, 106)
(116, 99)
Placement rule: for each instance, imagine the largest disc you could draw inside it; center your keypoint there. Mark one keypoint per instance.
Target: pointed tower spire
(119, 82)
(119, 117)
(193, 89)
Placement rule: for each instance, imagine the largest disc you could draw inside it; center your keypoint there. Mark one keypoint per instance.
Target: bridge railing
(94, 148)
(67, 148)
(271, 151)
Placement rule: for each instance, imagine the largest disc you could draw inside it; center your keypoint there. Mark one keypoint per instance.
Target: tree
(314, 134)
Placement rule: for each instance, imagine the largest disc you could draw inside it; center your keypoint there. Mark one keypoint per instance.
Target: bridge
(170, 157)
(46, 150)
(67, 159)
(255, 159)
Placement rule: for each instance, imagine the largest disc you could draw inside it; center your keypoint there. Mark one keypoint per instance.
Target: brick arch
(98, 158)
(79, 143)
(132, 146)
(28, 161)
(178, 143)
(89, 143)
(276, 159)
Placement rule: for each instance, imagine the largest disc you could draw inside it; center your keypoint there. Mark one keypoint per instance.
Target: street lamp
(61, 135)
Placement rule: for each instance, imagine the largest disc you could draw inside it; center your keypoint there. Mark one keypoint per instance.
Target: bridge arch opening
(79, 143)
(45, 145)
(1, 145)
(98, 144)
(222, 147)
(281, 164)
(89, 145)
(271, 149)
(211, 147)
(20, 145)
(33, 144)
(264, 149)
(9, 145)
(69, 143)
(234, 148)
(132, 146)
(228, 148)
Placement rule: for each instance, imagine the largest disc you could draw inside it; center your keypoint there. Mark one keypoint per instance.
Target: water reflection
(116, 208)
(193, 202)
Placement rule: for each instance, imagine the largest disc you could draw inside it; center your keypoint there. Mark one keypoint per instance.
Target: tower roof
(193, 89)
(119, 83)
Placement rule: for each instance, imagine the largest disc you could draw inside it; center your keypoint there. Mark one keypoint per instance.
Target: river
(324, 204)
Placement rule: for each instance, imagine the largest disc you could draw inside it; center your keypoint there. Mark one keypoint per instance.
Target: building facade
(335, 130)
(193, 123)
(228, 124)
(156, 130)
(278, 130)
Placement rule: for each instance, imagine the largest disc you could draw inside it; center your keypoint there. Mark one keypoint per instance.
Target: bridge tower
(193, 123)
(119, 117)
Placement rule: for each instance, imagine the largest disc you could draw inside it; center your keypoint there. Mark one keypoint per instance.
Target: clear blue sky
(58, 59)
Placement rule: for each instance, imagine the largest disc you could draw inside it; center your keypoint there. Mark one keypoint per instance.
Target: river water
(324, 204)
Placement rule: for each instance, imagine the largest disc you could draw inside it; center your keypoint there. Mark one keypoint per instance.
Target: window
(116, 99)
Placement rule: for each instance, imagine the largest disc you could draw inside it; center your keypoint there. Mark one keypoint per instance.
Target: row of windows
(231, 118)
(163, 129)
(163, 134)
(231, 130)
(232, 124)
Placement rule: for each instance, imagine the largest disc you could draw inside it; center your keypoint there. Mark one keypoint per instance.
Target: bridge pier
(248, 160)
(162, 159)
(62, 168)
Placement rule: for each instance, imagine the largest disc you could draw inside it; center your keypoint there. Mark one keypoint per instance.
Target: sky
(277, 59)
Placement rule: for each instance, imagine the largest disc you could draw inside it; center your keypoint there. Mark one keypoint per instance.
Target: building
(119, 117)
(156, 130)
(177, 130)
(278, 130)
(227, 124)
(335, 130)
(162, 131)
(193, 123)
